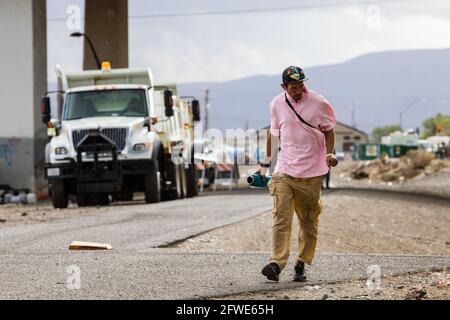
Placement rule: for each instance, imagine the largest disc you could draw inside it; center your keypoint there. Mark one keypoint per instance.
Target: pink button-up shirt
(303, 149)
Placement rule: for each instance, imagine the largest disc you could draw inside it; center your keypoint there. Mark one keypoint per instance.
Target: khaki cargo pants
(301, 195)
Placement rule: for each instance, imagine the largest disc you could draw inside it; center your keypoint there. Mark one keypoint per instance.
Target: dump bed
(108, 77)
(111, 77)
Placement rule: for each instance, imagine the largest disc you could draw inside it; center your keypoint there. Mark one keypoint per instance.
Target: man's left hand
(332, 161)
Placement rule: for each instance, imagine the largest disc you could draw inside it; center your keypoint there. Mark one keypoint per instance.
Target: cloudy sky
(244, 38)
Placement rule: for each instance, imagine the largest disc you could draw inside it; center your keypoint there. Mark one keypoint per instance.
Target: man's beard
(297, 97)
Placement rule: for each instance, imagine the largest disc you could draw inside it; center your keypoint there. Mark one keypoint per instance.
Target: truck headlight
(60, 150)
(140, 147)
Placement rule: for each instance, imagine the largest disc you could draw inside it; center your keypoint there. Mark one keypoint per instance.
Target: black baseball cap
(293, 74)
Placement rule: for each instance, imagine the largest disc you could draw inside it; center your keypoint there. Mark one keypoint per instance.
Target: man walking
(302, 122)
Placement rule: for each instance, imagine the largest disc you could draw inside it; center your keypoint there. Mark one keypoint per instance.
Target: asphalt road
(169, 274)
(34, 258)
(136, 226)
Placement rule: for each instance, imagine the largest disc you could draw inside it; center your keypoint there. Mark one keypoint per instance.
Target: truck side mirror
(196, 110)
(45, 109)
(168, 102)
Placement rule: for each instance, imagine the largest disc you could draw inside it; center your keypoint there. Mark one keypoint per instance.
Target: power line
(223, 94)
(275, 9)
(255, 10)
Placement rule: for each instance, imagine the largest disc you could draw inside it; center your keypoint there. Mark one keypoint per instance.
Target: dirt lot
(43, 211)
(12, 214)
(352, 222)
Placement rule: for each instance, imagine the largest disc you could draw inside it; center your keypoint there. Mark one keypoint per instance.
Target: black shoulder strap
(298, 116)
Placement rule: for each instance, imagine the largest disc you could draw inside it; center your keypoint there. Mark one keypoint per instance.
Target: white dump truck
(116, 133)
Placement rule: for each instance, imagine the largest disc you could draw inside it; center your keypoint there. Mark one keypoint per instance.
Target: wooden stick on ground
(78, 245)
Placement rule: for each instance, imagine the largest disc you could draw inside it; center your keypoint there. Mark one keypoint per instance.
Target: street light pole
(408, 106)
(79, 34)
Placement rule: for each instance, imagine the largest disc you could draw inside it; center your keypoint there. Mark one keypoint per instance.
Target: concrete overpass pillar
(106, 24)
(23, 80)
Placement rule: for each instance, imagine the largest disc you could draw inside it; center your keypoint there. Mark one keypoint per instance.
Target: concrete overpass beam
(106, 24)
(23, 80)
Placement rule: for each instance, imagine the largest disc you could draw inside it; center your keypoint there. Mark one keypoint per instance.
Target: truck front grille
(118, 135)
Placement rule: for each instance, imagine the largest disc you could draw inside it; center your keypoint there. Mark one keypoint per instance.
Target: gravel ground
(14, 214)
(410, 286)
(19, 214)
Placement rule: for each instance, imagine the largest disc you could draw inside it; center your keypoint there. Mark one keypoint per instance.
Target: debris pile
(415, 163)
(9, 195)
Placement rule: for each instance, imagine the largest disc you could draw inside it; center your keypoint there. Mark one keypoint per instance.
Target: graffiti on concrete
(7, 150)
(6, 153)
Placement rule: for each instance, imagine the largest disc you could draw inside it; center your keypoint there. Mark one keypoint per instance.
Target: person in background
(327, 180)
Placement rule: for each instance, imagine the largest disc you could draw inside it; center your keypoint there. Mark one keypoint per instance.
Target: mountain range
(368, 91)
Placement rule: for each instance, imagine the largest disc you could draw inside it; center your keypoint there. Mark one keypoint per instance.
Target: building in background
(346, 137)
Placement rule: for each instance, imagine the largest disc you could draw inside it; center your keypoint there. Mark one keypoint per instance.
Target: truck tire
(60, 198)
(178, 187)
(191, 181)
(171, 191)
(152, 186)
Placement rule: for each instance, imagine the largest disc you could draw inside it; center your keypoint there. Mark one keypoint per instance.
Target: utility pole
(206, 109)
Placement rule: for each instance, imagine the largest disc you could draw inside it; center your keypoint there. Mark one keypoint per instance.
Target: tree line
(437, 125)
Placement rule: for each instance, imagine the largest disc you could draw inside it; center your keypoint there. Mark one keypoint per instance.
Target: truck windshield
(106, 103)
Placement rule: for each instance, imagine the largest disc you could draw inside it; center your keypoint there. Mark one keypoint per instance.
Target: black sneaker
(299, 274)
(271, 271)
